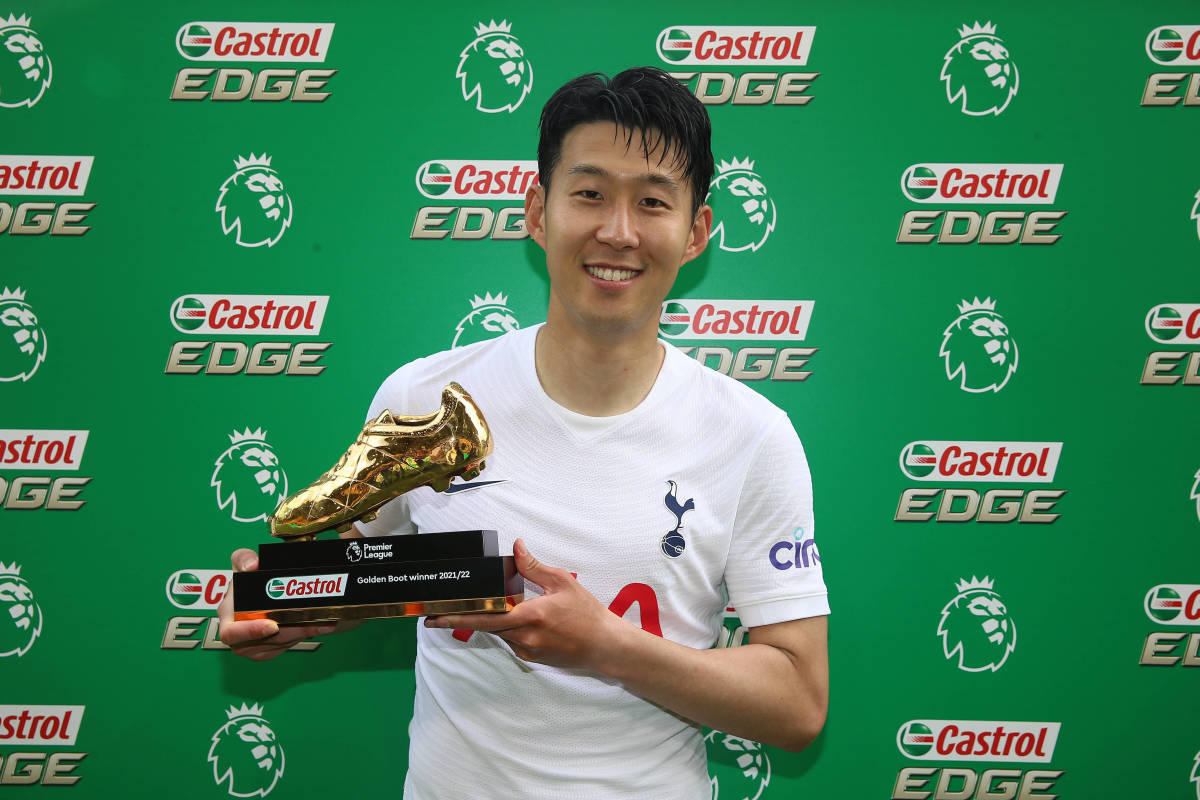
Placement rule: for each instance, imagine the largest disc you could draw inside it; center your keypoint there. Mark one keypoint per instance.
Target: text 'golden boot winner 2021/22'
(393, 454)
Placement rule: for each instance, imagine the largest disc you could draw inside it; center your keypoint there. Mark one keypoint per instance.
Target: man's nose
(619, 229)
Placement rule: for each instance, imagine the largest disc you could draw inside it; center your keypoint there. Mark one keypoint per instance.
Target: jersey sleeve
(395, 517)
(773, 572)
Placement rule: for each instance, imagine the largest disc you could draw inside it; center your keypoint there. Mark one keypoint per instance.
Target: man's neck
(594, 377)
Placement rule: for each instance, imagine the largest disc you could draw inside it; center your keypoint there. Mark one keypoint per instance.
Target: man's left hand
(565, 627)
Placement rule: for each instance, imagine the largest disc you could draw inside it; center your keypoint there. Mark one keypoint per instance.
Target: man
(653, 485)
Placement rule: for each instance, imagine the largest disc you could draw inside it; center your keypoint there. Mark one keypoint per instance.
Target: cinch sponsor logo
(735, 45)
(254, 41)
(308, 586)
(476, 180)
(735, 319)
(992, 462)
(1174, 45)
(1174, 604)
(292, 315)
(198, 589)
(60, 451)
(1007, 184)
(40, 725)
(45, 176)
(978, 740)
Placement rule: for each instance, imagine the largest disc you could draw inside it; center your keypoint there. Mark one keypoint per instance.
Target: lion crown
(975, 583)
(10, 569)
(12, 294)
(234, 712)
(489, 300)
(986, 29)
(976, 305)
(503, 26)
(20, 22)
(253, 161)
(736, 164)
(256, 435)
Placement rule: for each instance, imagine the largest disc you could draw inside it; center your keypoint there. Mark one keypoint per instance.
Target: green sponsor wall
(1075, 589)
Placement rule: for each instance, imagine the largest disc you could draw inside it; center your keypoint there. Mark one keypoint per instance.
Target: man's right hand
(261, 639)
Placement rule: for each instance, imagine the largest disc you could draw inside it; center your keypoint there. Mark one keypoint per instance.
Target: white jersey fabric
(593, 495)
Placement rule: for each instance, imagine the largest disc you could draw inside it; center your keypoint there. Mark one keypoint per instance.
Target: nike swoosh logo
(454, 488)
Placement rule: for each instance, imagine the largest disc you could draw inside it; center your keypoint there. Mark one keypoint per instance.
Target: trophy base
(421, 608)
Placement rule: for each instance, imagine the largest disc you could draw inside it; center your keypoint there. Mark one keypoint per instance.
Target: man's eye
(589, 194)
(654, 202)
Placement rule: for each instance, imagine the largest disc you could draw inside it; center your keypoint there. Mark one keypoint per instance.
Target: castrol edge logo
(445, 179)
(1174, 604)
(307, 586)
(276, 315)
(978, 462)
(1174, 322)
(735, 319)
(45, 176)
(57, 450)
(735, 45)
(1174, 45)
(254, 41)
(978, 740)
(999, 184)
(53, 726)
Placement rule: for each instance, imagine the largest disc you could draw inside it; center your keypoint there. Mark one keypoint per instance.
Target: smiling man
(642, 494)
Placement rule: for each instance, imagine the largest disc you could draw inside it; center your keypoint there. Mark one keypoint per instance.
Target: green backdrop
(108, 612)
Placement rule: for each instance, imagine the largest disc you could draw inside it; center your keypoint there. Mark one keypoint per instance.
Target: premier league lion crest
(1196, 774)
(489, 318)
(739, 769)
(743, 210)
(244, 753)
(976, 627)
(20, 615)
(248, 478)
(253, 204)
(978, 349)
(25, 70)
(1196, 213)
(22, 342)
(979, 71)
(494, 70)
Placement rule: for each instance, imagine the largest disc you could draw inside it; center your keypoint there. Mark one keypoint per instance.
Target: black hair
(643, 99)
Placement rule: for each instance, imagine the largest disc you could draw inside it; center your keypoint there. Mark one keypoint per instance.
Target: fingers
(533, 570)
(244, 560)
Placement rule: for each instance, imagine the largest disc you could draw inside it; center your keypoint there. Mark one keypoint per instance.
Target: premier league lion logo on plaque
(244, 753)
(494, 70)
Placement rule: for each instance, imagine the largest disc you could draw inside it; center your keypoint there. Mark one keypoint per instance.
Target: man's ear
(698, 236)
(535, 214)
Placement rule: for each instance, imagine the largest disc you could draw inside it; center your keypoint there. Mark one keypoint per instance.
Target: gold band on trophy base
(297, 616)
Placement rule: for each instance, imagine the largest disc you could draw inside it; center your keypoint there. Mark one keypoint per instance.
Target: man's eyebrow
(656, 178)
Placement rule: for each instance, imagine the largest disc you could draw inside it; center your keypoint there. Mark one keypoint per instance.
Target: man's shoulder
(723, 396)
(419, 382)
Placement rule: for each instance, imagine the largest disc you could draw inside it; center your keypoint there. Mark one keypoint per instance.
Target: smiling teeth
(606, 274)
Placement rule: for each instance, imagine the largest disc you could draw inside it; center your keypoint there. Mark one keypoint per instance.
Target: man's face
(616, 226)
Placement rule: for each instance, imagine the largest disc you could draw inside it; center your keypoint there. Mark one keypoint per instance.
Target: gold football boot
(392, 455)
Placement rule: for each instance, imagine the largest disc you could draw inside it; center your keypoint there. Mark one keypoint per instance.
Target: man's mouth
(610, 273)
